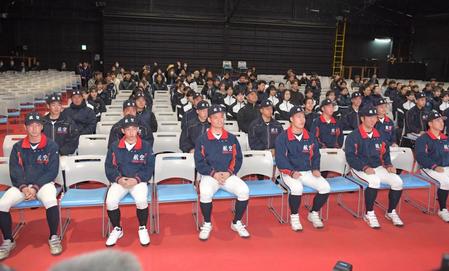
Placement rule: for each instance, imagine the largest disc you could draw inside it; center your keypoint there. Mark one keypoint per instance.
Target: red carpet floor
(272, 246)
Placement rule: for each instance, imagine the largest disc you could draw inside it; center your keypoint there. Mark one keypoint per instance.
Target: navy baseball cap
(197, 95)
(139, 94)
(202, 105)
(76, 92)
(368, 111)
(215, 109)
(266, 103)
(53, 98)
(326, 102)
(380, 102)
(129, 103)
(433, 116)
(295, 109)
(356, 94)
(420, 95)
(33, 117)
(129, 120)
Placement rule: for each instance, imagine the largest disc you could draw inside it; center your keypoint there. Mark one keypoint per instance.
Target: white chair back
(243, 140)
(93, 144)
(402, 158)
(285, 124)
(5, 178)
(162, 108)
(166, 142)
(169, 126)
(165, 116)
(333, 160)
(256, 162)
(174, 165)
(231, 126)
(104, 127)
(84, 168)
(9, 142)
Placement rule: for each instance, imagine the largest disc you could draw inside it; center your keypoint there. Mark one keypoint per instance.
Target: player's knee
(397, 183)
(324, 188)
(206, 194)
(243, 193)
(374, 183)
(141, 204)
(48, 203)
(296, 189)
(111, 203)
(4, 206)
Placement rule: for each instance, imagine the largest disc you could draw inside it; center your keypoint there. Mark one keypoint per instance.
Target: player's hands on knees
(296, 175)
(369, 171)
(439, 169)
(123, 181)
(132, 182)
(316, 173)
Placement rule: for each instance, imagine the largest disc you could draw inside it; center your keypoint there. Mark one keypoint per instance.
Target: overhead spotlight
(382, 40)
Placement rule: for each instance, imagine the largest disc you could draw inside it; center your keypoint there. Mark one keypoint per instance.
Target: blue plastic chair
(80, 169)
(175, 165)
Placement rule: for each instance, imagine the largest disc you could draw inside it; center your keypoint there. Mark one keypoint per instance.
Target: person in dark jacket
(33, 168)
(264, 130)
(191, 114)
(298, 160)
(83, 116)
(414, 118)
(326, 128)
(159, 83)
(195, 128)
(129, 166)
(103, 93)
(97, 102)
(145, 132)
(261, 93)
(351, 120)
(249, 112)
(309, 111)
(432, 154)
(385, 125)
(391, 91)
(297, 98)
(127, 83)
(59, 128)
(369, 159)
(218, 158)
(143, 112)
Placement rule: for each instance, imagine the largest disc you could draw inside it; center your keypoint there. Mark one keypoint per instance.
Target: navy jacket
(294, 155)
(217, 155)
(329, 135)
(145, 131)
(83, 116)
(261, 135)
(414, 122)
(432, 152)
(189, 116)
(351, 120)
(387, 130)
(246, 115)
(137, 163)
(34, 167)
(148, 116)
(363, 152)
(64, 132)
(190, 134)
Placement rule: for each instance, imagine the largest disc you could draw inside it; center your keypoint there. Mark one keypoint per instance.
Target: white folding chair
(334, 160)
(169, 126)
(96, 144)
(285, 124)
(114, 108)
(243, 140)
(231, 126)
(9, 142)
(162, 108)
(166, 142)
(104, 127)
(80, 169)
(165, 116)
(175, 165)
(111, 116)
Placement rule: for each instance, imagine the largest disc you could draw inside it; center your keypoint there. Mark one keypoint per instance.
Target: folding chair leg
(343, 205)
(19, 225)
(418, 204)
(277, 215)
(157, 218)
(63, 226)
(195, 208)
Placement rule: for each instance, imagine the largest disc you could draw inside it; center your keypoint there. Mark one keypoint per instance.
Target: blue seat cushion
(84, 197)
(176, 193)
(263, 188)
(14, 114)
(26, 106)
(365, 184)
(128, 199)
(223, 194)
(341, 184)
(413, 182)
